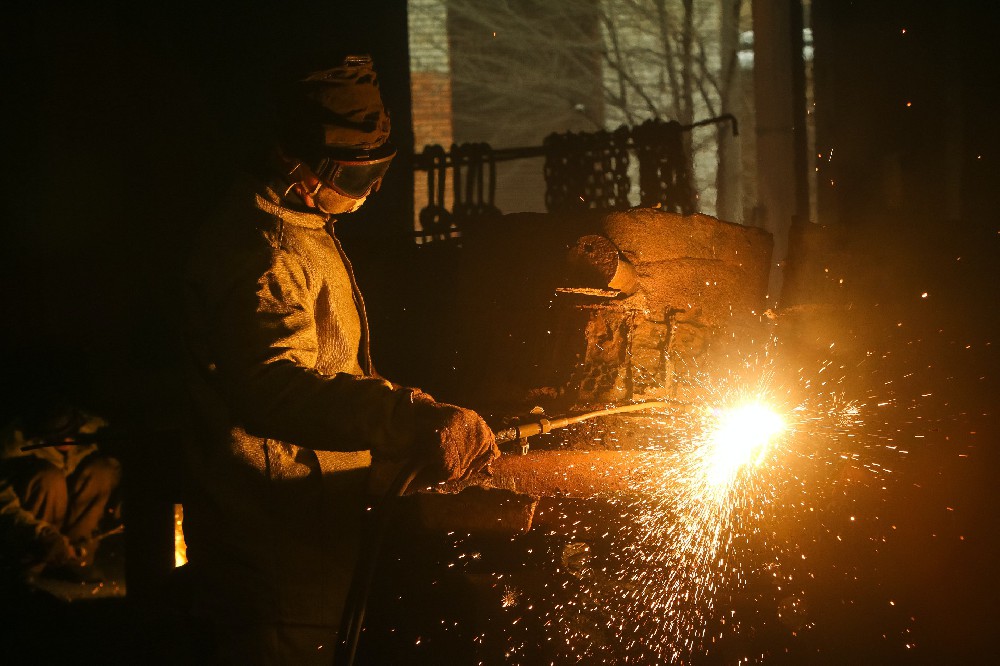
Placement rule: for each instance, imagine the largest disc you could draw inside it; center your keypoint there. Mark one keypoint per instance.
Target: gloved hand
(455, 442)
(52, 549)
(85, 549)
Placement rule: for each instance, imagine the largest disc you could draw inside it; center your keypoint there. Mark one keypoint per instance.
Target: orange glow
(180, 547)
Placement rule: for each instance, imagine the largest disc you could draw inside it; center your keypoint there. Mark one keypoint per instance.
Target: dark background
(121, 125)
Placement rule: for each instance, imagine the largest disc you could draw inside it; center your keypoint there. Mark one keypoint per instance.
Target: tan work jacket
(287, 414)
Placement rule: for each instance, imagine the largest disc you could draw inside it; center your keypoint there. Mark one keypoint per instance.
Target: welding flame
(741, 437)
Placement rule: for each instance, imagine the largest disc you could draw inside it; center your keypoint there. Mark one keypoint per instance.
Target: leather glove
(53, 549)
(455, 442)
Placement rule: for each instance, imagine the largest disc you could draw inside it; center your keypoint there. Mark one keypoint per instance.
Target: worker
(289, 411)
(56, 492)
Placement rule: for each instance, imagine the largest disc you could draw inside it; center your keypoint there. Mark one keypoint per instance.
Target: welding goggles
(355, 174)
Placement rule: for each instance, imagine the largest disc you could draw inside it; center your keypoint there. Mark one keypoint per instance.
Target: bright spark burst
(697, 509)
(510, 597)
(703, 519)
(741, 437)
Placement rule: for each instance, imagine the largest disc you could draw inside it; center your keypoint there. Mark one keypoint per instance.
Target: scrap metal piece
(477, 510)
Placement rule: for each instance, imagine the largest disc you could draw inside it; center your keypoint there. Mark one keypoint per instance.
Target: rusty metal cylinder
(594, 261)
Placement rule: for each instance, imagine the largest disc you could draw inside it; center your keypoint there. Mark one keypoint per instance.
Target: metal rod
(118, 529)
(420, 163)
(544, 425)
(80, 439)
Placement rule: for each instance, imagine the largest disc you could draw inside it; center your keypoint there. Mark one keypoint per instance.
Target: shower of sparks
(701, 522)
(694, 511)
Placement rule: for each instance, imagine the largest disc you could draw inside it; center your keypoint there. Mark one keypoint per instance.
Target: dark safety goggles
(356, 176)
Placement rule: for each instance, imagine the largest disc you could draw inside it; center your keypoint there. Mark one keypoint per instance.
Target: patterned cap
(336, 111)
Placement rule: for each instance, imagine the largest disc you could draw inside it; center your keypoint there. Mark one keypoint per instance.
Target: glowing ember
(511, 597)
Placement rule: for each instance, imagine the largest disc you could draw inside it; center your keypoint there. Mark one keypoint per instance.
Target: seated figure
(55, 489)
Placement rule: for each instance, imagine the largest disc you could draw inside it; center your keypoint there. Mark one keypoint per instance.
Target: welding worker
(289, 412)
(55, 495)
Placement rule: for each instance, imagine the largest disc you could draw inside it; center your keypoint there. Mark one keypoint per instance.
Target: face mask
(330, 202)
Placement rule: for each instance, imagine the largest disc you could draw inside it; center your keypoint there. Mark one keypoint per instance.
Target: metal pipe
(544, 425)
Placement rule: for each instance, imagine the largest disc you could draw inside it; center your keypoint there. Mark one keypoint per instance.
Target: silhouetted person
(54, 497)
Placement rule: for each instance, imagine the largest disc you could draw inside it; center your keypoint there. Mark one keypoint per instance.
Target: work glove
(454, 442)
(51, 548)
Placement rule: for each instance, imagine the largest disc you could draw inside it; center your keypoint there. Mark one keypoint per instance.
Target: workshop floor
(49, 620)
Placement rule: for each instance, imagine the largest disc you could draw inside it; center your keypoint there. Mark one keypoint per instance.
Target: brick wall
(430, 88)
(431, 93)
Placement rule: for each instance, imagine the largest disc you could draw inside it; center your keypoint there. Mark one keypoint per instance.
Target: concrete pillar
(779, 96)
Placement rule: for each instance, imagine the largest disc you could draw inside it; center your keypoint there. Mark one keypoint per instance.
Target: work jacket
(287, 414)
(18, 526)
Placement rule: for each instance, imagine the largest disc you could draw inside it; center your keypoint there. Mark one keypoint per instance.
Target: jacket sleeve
(265, 347)
(18, 527)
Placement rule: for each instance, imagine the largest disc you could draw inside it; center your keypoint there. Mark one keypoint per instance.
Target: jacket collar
(269, 201)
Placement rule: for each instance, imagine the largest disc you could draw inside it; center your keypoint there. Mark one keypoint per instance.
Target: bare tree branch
(663, 23)
(609, 26)
(706, 75)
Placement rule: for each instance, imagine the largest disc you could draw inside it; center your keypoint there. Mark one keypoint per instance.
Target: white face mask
(330, 202)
